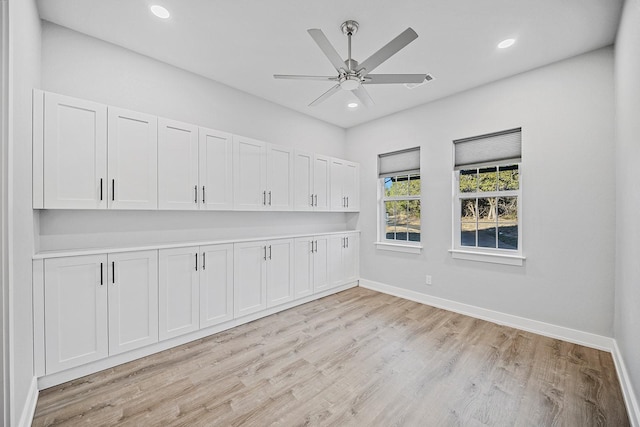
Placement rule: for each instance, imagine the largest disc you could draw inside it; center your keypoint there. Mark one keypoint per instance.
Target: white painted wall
(77, 65)
(566, 114)
(627, 319)
(24, 30)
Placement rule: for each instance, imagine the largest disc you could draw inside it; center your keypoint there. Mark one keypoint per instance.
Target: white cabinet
(343, 259)
(279, 185)
(132, 147)
(216, 284)
(178, 292)
(216, 162)
(249, 173)
(262, 175)
(99, 305)
(74, 153)
(280, 263)
(79, 140)
(311, 181)
(177, 165)
(263, 275)
(345, 181)
(133, 300)
(311, 265)
(249, 278)
(75, 311)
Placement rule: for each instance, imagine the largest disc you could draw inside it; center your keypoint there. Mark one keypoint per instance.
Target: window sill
(397, 247)
(493, 258)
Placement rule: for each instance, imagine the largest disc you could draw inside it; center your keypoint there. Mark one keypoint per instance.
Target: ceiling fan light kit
(352, 76)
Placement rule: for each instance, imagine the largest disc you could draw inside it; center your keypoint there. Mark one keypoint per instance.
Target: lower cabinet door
(75, 311)
(249, 278)
(350, 259)
(335, 267)
(216, 284)
(178, 291)
(279, 272)
(303, 270)
(320, 263)
(133, 300)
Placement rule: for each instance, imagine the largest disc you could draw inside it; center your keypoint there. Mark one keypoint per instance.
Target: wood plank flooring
(357, 358)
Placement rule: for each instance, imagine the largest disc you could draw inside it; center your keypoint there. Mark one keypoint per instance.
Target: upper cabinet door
(216, 284)
(321, 182)
(216, 162)
(279, 178)
(178, 291)
(75, 153)
(75, 311)
(338, 201)
(303, 181)
(249, 174)
(280, 256)
(133, 300)
(133, 160)
(177, 165)
(351, 186)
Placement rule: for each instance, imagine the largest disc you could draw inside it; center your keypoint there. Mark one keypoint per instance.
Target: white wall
(24, 75)
(566, 114)
(627, 321)
(77, 65)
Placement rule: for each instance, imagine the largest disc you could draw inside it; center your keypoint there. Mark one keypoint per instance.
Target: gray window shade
(500, 147)
(399, 162)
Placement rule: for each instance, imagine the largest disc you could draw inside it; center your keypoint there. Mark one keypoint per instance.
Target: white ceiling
(242, 43)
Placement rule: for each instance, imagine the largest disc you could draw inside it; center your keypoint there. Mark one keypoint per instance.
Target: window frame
(475, 253)
(382, 242)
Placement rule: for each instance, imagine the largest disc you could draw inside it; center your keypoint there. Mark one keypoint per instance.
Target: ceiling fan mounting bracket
(349, 28)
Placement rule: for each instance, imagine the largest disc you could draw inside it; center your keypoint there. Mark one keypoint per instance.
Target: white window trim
(394, 245)
(490, 255)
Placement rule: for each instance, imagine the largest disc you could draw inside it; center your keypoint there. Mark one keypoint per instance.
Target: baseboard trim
(553, 331)
(630, 399)
(29, 410)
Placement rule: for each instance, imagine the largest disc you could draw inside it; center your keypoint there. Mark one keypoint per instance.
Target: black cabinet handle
(195, 189)
(203, 196)
(269, 251)
(316, 203)
(113, 190)
(101, 275)
(203, 260)
(100, 189)
(269, 198)
(196, 261)
(312, 200)
(265, 253)
(264, 197)
(113, 272)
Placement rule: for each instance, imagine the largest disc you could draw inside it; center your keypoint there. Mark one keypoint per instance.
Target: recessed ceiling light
(160, 11)
(352, 104)
(506, 43)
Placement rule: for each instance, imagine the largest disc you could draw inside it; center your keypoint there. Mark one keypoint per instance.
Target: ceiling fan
(353, 75)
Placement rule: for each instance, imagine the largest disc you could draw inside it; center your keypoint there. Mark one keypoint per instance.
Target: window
(400, 189)
(488, 198)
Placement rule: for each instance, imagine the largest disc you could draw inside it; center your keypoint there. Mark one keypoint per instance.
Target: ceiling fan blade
(330, 52)
(325, 95)
(377, 79)
(297, 77)
(387, 51)
(363, 96)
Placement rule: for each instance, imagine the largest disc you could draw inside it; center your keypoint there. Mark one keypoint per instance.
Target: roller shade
(500, 147)
(399, 162)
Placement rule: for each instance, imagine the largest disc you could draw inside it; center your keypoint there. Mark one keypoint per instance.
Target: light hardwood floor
(357, 358)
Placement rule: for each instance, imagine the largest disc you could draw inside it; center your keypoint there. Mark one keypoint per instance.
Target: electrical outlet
(428, 280)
